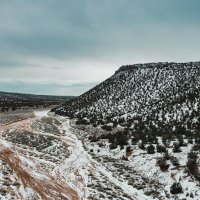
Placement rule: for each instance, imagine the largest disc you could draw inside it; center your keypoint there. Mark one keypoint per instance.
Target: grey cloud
(73, 40)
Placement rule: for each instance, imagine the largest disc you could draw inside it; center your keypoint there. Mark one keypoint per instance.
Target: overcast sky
(65, 47)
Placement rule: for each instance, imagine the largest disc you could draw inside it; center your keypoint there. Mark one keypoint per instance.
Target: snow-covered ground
(48, 158)
(141, 172)
(28, 158)
(36, 172)
(40, 114)
(81, 163)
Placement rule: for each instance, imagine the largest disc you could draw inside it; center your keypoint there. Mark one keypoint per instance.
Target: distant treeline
(14, 101)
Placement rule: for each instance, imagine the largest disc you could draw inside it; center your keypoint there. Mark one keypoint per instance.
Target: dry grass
(12, 117)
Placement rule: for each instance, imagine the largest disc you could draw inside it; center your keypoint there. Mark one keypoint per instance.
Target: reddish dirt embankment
(23, 124)
(32, 176)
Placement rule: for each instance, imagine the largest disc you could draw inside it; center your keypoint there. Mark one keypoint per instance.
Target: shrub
(129, 149)
(121, 138)
(176, 148)
(161, 162)
(135, 140)
(110, 137)
(181, 141)
(166, 155)
(107, 128)
(191, 165)
(151, 139)
(193, 156)
(142, 146)
(166, 139)
(196, 147)
(190, 140)
(93, 139)
(113, 146)
(174, 161)
(82, 121)
(160, 148)
(151, 149)
(115, 123)
(176, 188)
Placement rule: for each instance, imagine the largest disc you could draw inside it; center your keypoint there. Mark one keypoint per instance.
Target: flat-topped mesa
(160, 93)
(170, 65)
(141, 65)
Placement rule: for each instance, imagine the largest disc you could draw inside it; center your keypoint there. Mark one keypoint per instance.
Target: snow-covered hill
(143, 124)
(152, 92)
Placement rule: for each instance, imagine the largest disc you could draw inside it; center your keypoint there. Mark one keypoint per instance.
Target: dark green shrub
(191, 165)
(151, 149)
(174, 161)
(176, 188)
(160, 148)
(161, 162)
(107, 128)
(176, 148)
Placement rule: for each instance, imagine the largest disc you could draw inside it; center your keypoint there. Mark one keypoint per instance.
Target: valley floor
(44, 157)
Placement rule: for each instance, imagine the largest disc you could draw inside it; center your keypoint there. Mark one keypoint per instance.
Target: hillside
(134, 136)
(15, 101)
(143, 125)
(155, 93)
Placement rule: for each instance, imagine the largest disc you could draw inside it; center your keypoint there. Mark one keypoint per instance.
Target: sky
(65, 47)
